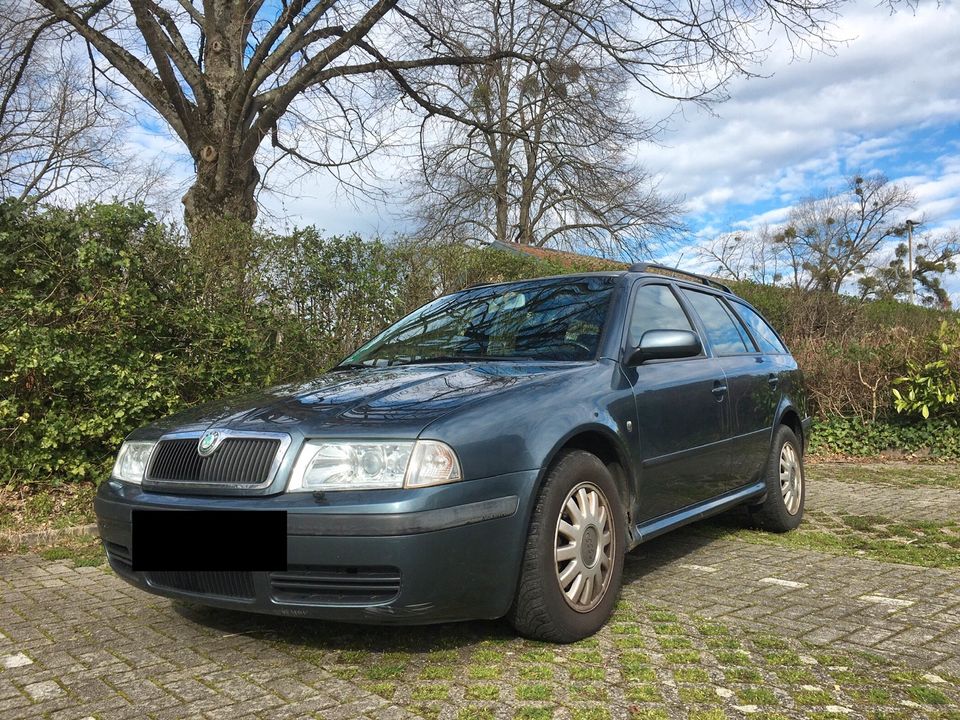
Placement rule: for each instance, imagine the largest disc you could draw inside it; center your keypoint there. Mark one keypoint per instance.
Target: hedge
(106, 323)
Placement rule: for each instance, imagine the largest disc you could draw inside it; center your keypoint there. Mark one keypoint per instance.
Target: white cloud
(785, 136)
(770, 217)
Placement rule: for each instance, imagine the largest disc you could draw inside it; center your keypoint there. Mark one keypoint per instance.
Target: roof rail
(654, 267)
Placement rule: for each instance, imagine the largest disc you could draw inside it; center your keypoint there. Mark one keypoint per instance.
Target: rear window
(726, 334)
(761, 330)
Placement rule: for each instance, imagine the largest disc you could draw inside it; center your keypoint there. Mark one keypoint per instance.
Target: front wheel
(573, 562)
(782, 508)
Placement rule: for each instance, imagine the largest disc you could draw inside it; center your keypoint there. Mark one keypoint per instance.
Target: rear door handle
(719, 390)
(773, 380)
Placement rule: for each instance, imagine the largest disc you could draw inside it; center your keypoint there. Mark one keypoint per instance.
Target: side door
(773, 365)
(682, 413)
(748, 382)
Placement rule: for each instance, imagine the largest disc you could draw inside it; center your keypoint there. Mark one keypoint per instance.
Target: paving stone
(79, 642)
(14, 661)
(45, 690)
(858, 498)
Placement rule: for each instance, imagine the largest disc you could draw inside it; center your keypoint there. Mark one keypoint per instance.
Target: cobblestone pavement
(91, 639)
(707, 629)
(860, 498)
(903, 612)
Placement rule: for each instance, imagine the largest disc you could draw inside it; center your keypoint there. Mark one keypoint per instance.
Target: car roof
(661, 273)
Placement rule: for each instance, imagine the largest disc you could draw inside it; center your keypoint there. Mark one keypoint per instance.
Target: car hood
(384, 402)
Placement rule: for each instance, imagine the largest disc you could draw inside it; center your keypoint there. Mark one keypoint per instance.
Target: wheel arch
(602, 442)
(789, 416)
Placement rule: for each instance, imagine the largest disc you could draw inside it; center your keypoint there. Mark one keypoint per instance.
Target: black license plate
(209, 540)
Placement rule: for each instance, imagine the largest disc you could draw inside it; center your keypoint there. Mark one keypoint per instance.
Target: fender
(785, 406)
(605, 429)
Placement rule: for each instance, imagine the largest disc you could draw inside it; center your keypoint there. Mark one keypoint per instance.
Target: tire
(542, 610)
(782, 508)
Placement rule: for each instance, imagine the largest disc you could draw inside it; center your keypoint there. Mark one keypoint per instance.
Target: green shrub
(100, 332)
(849, 350)
(930, 389)
(106, 322)
(860, 438)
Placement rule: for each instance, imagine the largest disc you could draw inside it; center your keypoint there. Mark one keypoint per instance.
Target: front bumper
(451, 552)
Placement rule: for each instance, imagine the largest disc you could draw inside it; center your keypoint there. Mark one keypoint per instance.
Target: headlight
(325, 465)
(131, 464)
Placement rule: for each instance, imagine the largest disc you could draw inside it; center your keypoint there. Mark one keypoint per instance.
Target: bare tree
(544, 161)
(753, 256)
(935, 255)
(58, 135)
(831, 239)
(227, 74)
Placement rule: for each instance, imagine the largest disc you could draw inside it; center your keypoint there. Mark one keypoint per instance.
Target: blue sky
(885, 100)
(888, 100)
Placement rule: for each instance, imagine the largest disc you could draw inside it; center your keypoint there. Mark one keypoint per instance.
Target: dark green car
(495, 452)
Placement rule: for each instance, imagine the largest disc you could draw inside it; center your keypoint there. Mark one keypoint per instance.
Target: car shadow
(675, 545)
(649, 557)
(332, 636)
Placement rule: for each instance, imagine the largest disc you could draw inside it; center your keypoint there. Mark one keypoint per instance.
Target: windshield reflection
(556, 320)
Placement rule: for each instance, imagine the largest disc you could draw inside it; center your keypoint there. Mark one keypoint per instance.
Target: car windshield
(556, 319)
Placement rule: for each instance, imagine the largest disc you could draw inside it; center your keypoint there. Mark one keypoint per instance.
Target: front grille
(336, 585)
(241, 461)
(219, 583)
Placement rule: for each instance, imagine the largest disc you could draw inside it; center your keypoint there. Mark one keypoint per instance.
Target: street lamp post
(910, 225)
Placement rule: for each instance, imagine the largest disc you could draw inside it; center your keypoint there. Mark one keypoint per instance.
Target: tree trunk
(501, 201)
(221, 194)
(525, 229)
(220, 209)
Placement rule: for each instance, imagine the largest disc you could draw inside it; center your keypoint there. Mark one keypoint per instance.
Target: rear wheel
(782, 508)
(573, 562)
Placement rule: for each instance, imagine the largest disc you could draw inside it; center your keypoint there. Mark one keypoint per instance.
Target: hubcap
(584, 547)
(791, 478)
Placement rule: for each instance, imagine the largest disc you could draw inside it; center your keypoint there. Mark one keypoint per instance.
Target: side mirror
(665, 345)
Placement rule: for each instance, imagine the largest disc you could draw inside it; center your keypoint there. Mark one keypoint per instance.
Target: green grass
(81, 550)
(590, 714)
(696, 694)
(899, 474)
(927, 695)
(430, 692)
(661, 662)
(483, 692)
(757, 696)
(915, 542)
(453, 671)
(643, 693)
(813, 697)
(533, 713)
(688, 674)
(82, 554)
(476, 713)
(534, 692)
(30, 508)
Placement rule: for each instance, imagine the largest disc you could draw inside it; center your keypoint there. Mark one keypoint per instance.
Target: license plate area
(209, 540)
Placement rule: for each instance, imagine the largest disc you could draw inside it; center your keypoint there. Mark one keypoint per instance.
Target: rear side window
(655, 307)
(726, 335)
(764, 334)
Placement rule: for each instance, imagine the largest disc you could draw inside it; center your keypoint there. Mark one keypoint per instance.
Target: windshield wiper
(351, 366)
(453, 359)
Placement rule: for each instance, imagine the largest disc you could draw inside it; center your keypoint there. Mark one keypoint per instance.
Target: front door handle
(773, 380)
(719, 390)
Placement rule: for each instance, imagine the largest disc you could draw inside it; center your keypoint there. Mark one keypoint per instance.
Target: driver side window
(655, 307)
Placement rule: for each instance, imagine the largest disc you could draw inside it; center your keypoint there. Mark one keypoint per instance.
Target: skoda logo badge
(208, 443)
